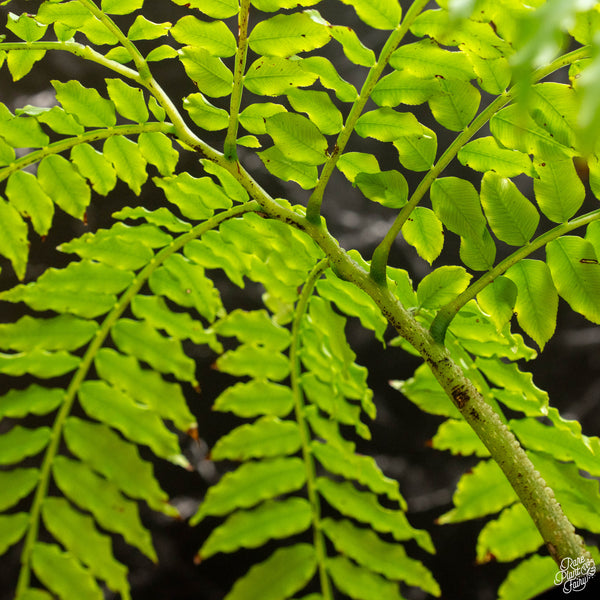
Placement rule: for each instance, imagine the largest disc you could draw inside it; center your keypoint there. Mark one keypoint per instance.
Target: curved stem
(78, 50)
(548, 516)
(90, 136)
(299, 411)
(444, 316)
(84, 367)
(313, 210)
(140, 63)
(381, 253)
(229, 147)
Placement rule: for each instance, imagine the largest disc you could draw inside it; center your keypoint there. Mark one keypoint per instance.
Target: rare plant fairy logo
(574, 574)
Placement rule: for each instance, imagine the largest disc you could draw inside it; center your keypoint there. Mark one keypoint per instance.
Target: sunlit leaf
(441, 286)
(424, 231)
(537, 299)
(256, 398)
(285, 572)
(213, 36)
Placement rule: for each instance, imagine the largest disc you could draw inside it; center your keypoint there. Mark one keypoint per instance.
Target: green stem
(90, 136)
(299, 410)
(78, 50)
(84, 367)
(381, 253)
(444, 316)
(548, 516)
(313, 210)
(140, 63)
(229, 148)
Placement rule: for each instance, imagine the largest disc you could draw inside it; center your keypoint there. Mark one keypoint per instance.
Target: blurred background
(569, 368)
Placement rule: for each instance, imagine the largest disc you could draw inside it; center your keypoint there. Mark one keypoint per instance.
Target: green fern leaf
(514, 129)
(121, 464)
(353, 48)
(386, 124)
(26, 195)
(127, 160)
(13, 238)
(570, 259)
(389, 188)
(459, 438)
(145, 387)
(364, 507)
(62, 573)
(25, 27)
(15, 485)
(329, 78)
(208, 72)
(268, 437)
(121, 7)
(386, 15)
(12, 529)
(361, 468)
(196, 198)
(250, 484)
(285, 572)
(254, 327)
(456, 203)
(455, 104)
(205, 114)
(417, 151)
(64, 332)
(479, 252)
(306, 176)
(297, 138)
(510, 536)
(481, 492)
(352, 301)
(108, 247)
(568, 445)
(528, 579)
(558, 191)
(85, 104)
(217, 9)
(273, 76)
(95, 167)
(34, 400)
(353, 163)
(144, 29)
(108, 405)
(254, 361)
(254, 117)
(78, 534)
(103, 499)
(161, 217)
(424, 231)
(21, 62)
(424, 390)
(484, 154)
(441, 285)
(129, 101)
(63, 183)
(253, 528)
(511, 216)
(256, 398)
(498, 300)
(537, 299)
(213, 36)
(286, 35)
(403, 87)
(319, 108)
(38, 363)
(369, 551)
(22, 132)
(360, 583)
(212, 252)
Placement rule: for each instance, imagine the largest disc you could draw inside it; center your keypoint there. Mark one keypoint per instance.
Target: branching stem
(313, 210)
(382, 252)
(444, 316)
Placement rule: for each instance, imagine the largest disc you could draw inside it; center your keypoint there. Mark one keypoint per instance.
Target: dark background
(569, 368)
